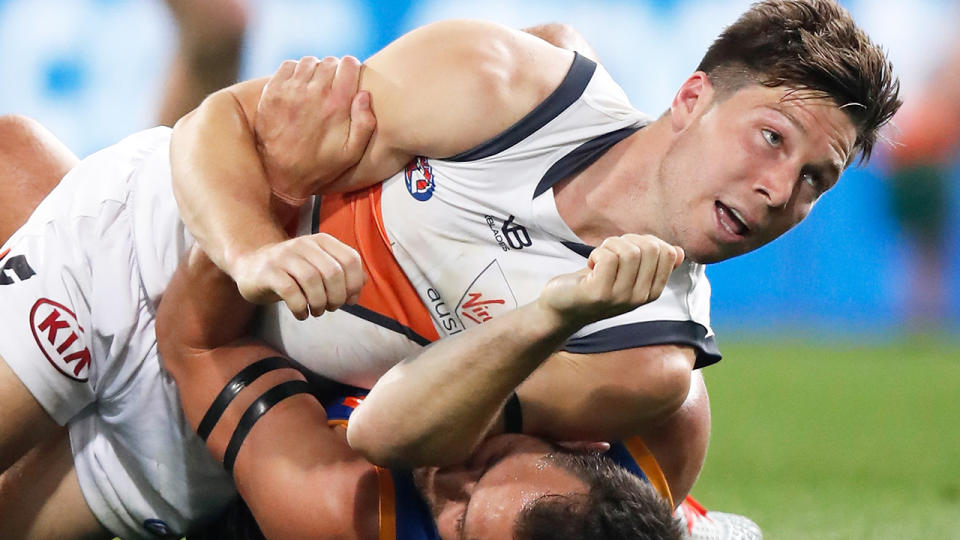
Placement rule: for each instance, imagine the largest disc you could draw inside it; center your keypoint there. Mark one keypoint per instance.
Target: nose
(776, 185)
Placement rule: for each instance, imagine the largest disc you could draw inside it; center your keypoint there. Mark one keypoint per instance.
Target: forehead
(822, 124)
(510, 486)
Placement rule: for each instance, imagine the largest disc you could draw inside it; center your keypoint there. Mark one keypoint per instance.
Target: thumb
(362, 124)
(680, 256)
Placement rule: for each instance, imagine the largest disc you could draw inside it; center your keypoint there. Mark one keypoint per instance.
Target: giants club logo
(488, 296)
(509, 235)
(15, 269)
(419, 178)
(57, 332)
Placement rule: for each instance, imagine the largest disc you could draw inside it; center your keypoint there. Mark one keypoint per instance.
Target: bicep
(605, 395)
(447, 87)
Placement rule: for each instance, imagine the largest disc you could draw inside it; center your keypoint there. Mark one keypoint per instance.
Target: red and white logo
(488, 296)
(58, 334)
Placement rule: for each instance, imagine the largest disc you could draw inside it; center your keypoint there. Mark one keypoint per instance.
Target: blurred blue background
(93, 71)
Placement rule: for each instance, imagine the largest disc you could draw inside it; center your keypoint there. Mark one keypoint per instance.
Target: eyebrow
(830, 167)
(796, 123)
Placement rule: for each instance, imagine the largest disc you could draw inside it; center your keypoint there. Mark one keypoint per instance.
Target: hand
(312, 125)
(623, 273)
(311, 274)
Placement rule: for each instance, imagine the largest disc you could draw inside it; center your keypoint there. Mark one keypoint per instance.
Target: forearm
(457, 388)
(200, 311)
(219, 182)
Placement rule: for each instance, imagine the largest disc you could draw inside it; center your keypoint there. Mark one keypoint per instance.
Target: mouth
(731, 221)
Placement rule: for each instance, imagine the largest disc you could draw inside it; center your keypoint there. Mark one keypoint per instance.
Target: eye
(811, 179)
(772, 137)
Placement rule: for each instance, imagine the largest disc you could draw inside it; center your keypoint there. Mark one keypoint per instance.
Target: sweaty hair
(809, 45)
(617, 505)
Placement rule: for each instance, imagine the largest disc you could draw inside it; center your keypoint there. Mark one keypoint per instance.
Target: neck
(618, 193)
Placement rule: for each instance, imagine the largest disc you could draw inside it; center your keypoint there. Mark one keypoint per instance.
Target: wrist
(549, 323)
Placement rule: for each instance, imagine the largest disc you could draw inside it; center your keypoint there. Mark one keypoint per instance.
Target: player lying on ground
(533, 152)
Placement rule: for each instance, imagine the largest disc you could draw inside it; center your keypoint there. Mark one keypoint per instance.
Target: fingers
(634, 269)
(328, 272)
(285, 71)
(310, 274)
(347, 79)
(350, 264)
(306, 68)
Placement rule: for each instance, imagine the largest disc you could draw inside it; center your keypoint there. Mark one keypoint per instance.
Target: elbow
(654, 394)
(396, 447)
(667, 388)
(377, 443)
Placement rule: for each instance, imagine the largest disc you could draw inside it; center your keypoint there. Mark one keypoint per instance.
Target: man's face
(483, 497)
(746, 169)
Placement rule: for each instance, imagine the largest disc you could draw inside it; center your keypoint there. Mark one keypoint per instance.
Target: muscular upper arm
(436, 91)
(605, 395)
(449, 86)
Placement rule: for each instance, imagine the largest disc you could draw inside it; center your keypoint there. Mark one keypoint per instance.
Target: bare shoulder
(448, 86)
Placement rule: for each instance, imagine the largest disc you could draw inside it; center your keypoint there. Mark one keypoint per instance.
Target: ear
(584, 447)
(694, 95)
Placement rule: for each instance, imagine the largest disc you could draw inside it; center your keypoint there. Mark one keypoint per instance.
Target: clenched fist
(311, 274)
(623, 273)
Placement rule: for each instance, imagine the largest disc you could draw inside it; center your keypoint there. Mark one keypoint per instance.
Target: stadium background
(830, 420)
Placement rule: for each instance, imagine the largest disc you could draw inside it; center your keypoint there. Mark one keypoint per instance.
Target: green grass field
(837, 440)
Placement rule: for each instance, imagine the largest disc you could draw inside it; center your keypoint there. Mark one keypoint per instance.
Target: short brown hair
(617, 505)
(808, 45)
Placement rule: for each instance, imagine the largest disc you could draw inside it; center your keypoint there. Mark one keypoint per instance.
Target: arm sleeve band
(239, 381)
(256, 410)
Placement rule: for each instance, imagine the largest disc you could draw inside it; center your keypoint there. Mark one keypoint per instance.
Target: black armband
(256, 410)
(239, 381)
(513, 415)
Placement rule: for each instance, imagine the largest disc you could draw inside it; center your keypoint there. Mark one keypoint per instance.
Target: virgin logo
(59, 336)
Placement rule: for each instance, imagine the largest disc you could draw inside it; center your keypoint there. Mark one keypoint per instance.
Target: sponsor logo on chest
(487, 297)
(509, 234)
(449, 322)
(59, 336)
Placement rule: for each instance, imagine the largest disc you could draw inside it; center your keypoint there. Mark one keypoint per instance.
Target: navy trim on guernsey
(315, 219)
(364, 313)
(570, 89)
(580, 249)
(234, 386)
(581, 157)
(648, 333)
(255, 411)
(413, 515)
(386, 322)
(621, 456)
